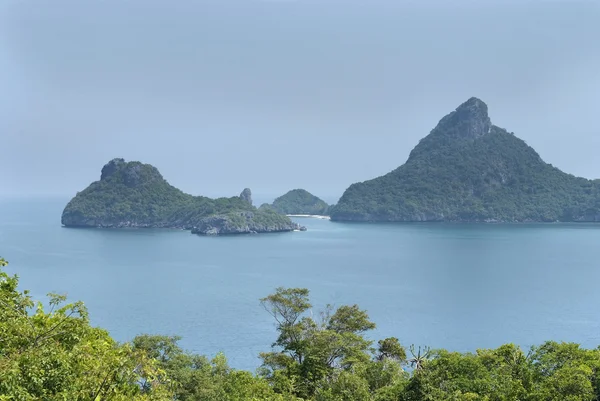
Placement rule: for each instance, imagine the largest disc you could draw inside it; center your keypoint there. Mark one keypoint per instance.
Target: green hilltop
(133, 194)
(468, 169)
(300, 201)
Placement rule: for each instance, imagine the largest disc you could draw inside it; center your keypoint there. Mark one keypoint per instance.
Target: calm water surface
(460, 287)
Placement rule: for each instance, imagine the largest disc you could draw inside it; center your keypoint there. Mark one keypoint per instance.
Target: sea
(454, 286)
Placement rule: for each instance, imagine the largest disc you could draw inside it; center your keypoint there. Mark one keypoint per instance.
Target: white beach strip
(315, 216)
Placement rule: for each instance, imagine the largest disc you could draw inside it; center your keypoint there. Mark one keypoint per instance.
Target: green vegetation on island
(467, 169)
(300, 201)
(55, 354)
(132, 194)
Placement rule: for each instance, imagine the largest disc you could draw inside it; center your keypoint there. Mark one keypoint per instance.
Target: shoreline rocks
(241, 223)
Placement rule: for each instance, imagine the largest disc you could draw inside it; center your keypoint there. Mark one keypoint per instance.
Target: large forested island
(132, 194)
(468, 169)
(300, 201)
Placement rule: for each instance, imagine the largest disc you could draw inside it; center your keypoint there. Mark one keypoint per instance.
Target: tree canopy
(53, 353)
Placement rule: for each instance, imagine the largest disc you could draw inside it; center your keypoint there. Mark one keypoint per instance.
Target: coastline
(314, 216)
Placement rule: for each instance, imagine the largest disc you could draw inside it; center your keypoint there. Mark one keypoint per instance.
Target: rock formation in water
(132, 194)
(241, 223)
(246, 195)
(468, 169)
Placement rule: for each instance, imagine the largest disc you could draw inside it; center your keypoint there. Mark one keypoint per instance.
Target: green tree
(54, 354)
(390, 348)
(196, 378)
(565, 371)
(307, 351)
(57, 355)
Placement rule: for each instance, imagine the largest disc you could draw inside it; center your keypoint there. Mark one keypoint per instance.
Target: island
(300, 202)
(469, 170)
(133, 194)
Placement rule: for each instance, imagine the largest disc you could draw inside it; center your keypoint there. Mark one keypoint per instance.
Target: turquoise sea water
(457, 286)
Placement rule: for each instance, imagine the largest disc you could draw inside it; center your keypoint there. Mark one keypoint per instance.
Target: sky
(282, 94)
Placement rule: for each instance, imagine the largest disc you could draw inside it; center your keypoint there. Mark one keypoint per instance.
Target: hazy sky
(279, 94)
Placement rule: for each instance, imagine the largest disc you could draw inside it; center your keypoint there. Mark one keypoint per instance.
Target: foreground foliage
(54, 354)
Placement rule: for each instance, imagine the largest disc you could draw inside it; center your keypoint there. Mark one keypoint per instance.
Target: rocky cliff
(242, 223)
(132, 194)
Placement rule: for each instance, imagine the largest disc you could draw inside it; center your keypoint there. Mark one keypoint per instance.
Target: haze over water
(220, 95)
(456, 286)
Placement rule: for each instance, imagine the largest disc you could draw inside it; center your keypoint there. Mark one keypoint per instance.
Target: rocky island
(300, 202)
(133, 194)
(469, 170)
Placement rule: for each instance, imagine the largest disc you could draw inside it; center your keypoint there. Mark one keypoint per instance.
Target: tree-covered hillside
(132, 194)
(300, 201)
(467, 169)
(55, 354)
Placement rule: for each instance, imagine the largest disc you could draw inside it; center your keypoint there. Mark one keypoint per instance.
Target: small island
(469, 170)
(133, 194)
(301, 203)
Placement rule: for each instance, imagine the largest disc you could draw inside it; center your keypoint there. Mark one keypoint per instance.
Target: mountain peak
(130, 173)
(472, 104)
(466, 169)
(111, 167)
(470, 120)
